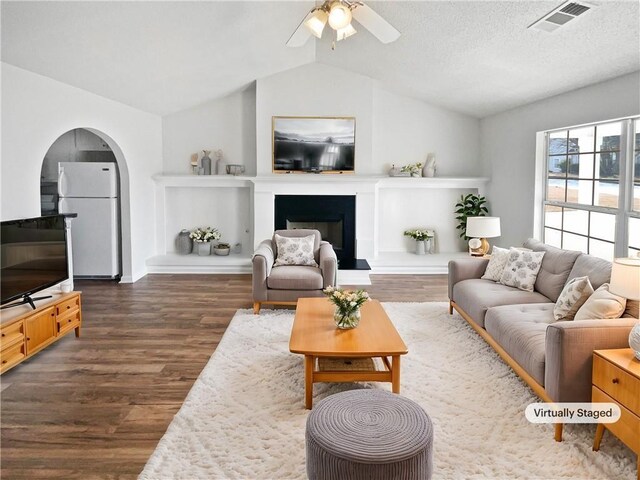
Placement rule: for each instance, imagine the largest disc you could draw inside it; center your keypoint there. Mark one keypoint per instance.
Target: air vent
(561, 16)
(575, 9)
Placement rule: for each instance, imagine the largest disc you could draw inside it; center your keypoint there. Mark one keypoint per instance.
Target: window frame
(622, 213)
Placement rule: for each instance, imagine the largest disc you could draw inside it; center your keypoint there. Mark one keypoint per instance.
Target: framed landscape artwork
(313, 144)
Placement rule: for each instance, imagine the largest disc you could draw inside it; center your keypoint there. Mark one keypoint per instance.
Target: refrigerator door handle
(62, 182)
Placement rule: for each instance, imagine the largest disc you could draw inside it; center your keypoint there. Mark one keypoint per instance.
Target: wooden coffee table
(314, 334)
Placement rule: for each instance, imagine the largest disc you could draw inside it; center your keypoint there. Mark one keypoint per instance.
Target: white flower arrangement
(420, 234)
(346, 301)
(204, 234)
(414, 169)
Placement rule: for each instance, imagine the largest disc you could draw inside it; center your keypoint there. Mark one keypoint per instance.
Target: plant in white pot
(202, 236)
(421, 236)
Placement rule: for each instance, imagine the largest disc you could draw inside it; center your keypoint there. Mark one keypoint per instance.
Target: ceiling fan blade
(301, 35)
(378, 26)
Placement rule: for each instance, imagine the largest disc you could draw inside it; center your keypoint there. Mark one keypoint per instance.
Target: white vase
(634, 340)
(429, 169)
(204, 248)
(420, 247)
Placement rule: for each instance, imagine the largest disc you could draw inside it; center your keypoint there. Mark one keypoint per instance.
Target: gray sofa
(553, 357)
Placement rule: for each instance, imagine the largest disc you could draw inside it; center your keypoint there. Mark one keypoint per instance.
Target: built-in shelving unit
(252, 204)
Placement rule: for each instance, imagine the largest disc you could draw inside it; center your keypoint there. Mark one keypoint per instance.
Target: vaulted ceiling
(474, 57)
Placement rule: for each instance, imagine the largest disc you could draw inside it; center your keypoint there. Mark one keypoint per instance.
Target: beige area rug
(244, 417)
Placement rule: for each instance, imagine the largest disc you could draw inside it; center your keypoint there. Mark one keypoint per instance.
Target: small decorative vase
(345, 321)
(206, 162)
(429, 169)
(184, 244)
(634, 340)
(421, 248)
(204, 248)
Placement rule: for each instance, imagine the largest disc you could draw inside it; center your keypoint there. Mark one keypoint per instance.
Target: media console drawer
(24, 331)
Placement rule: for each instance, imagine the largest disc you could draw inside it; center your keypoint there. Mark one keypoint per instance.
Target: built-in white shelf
(233, 181)
(434, 182)
(383, 181)
(404, 262)
(193, 263)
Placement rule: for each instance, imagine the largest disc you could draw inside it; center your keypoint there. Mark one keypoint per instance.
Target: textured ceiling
(474, 57)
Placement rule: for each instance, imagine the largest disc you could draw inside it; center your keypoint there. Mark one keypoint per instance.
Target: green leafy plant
(470, 205)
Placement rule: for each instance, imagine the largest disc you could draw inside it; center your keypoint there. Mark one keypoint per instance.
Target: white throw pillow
(573, 295)
(496, 265)
(522, 269)
(602, 304)
(295, 251)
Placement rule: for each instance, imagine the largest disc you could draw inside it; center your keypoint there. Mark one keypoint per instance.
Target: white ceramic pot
(204, 248)
(634, 340)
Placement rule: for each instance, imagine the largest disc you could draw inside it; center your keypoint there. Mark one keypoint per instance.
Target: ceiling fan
(339, 14)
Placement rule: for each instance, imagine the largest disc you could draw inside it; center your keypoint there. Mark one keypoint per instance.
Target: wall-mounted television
(33, 256)
(313, 144)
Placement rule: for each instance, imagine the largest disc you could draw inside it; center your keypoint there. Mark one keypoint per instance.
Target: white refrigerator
(90, 189)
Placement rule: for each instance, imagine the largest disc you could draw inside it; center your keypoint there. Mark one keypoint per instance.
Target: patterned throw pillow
(573, 295)
(295, 251)
(602, 304)
(497, 262)
(522, 269)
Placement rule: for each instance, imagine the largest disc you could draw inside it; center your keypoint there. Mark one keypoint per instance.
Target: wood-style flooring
(96, 406)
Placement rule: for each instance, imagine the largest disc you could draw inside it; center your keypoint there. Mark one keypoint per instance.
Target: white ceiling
(475, 57)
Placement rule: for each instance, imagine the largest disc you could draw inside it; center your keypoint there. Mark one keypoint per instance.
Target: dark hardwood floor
(96, 406)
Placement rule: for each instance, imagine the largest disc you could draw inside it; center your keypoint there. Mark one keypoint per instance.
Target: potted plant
(470, 205)
(202, 237)
(222, 249)
(421, 236)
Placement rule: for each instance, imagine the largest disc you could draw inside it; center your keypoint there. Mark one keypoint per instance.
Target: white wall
(405, 130)
(315, 90)
(37, 110)
(228, 123)
(509, 145)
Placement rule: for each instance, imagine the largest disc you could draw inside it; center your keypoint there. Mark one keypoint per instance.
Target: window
(592, 188)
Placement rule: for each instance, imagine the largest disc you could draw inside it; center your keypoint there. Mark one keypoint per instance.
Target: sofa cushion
(295, 250)
(573, 295)
(497, 262)
(602, 304)
(295, 277)
(522, 269)
(597, 269)
(475, 295)
(521, 331)
(555, 269)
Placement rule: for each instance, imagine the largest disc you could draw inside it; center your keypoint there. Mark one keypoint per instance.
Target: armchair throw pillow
(497, 262)
(522, 269)
(295, 251)
(573, 295)
(602, 304)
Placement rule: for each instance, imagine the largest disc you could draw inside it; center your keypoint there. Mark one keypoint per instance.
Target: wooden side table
(616, 379)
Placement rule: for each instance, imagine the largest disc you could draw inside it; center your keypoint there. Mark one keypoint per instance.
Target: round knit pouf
(369, 434)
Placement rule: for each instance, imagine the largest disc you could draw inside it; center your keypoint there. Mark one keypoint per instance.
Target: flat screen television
(314, 144)
(33, 256)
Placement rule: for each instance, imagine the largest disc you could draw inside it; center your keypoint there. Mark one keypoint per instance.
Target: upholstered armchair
(284, 284)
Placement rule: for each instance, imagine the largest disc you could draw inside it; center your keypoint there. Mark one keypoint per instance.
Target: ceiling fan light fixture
(345, 32)
(316, 22)
(339, 16)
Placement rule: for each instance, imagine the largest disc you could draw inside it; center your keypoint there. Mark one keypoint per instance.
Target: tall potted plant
(470, 205)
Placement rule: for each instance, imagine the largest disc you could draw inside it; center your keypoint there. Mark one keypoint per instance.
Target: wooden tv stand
(25, 331)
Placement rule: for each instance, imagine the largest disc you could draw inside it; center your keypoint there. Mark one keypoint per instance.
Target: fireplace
(334, 216)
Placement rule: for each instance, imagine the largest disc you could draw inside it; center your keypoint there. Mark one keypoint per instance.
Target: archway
(87, 145)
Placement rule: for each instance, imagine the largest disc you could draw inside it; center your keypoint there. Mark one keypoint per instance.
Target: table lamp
(625, 282)
(481, 228)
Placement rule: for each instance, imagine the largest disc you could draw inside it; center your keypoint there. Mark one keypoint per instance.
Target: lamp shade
(483, 227)
(625, 278)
